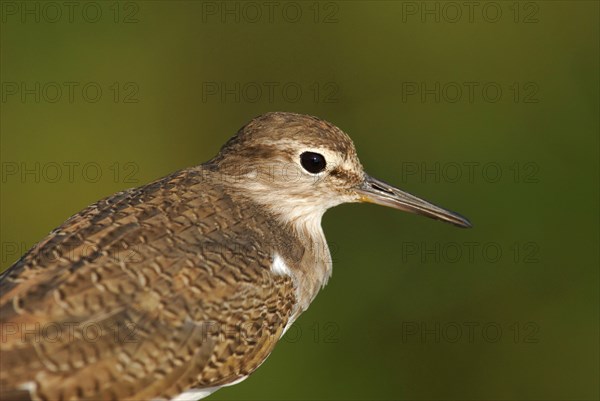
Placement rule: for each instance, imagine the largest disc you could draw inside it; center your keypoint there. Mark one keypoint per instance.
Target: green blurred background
(416, 309)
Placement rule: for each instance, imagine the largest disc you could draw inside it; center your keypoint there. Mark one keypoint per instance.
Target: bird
(174, 289)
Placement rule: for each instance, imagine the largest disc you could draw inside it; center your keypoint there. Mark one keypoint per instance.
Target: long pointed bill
(375, 191)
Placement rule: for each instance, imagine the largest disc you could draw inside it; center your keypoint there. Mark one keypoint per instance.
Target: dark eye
(312, 162)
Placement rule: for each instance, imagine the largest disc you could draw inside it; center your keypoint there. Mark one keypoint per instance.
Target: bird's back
(145, 294)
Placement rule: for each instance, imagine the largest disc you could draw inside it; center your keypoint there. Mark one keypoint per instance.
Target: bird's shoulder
(188, 217)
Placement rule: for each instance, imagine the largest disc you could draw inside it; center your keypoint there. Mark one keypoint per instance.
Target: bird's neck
(305, 249)
(311, 268)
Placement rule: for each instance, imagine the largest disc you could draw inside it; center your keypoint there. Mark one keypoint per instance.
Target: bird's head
(299, 166)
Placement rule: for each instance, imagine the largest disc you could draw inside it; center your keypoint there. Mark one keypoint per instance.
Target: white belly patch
(279, 266)
(195, 394)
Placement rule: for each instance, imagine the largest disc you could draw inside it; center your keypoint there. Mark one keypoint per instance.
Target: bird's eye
(313, 162)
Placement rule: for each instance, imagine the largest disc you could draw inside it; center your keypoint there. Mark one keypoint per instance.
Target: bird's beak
(375, 191)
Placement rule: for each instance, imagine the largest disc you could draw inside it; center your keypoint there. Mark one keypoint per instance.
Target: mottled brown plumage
(184, 283)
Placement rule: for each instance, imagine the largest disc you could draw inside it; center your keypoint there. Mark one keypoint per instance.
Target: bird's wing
(143, 295)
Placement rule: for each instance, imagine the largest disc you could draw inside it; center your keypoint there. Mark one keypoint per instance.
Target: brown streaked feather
(181, 299)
